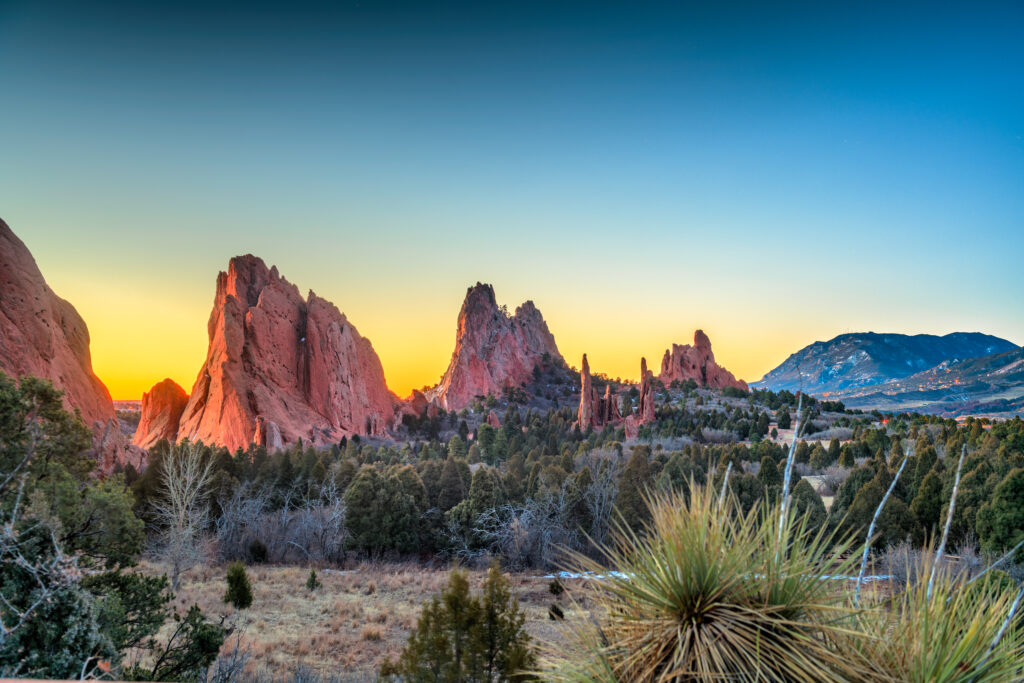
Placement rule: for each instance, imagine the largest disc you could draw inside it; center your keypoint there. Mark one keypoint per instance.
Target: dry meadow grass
(352, 623)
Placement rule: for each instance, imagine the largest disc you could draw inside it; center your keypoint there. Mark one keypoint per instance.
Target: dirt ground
(353, 622)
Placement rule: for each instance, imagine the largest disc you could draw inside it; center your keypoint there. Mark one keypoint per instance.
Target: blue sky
(774, 174)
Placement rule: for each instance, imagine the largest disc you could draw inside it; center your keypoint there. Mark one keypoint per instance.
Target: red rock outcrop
(296, 363)
(493, 420)
(595, 411)
(162, 407)
(43, 335)
(697, 362)
(493, 350)
(645, 410)
(112, 447)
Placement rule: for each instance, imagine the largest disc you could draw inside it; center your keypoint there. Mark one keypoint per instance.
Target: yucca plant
(960, 633)
(707, 593)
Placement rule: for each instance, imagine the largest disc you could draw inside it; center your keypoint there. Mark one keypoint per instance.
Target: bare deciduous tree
(303, 529)
(182, 512)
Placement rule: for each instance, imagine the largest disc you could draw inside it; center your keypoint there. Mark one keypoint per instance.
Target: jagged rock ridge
(493, 350)
(280, 368)
(696, 362)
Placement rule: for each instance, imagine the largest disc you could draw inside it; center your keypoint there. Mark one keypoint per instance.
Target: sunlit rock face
(162, 407)
(493, 350)
(297, 364)
(697, 362)
(43, 335)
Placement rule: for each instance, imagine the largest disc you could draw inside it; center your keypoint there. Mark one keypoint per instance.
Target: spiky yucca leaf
(706, 593)
(947, 637)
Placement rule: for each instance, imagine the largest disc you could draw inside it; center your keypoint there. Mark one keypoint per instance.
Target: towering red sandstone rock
(42, 334)
(587, 397)
(595, 411)
(697, 362)
(298, 364)
(492, 349)
(162, 407)
(645, 410)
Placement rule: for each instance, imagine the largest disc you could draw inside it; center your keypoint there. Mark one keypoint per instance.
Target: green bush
(239, 591)
(461, 637)
(312, 583)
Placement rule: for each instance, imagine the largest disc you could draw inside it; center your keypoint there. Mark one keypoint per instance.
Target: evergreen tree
(239, 592)
(461, 637)
(634, 481)
(819, 457)
(1001, 520)
(833, 452)
(451, 489)
(769, 476)
(846, 457)
(926, 507)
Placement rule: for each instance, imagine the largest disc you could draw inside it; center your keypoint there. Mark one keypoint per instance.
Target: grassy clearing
(353, 622)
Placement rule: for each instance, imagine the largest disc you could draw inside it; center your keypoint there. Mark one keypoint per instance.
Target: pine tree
(239, 592)
(451, 490)
(461, 637)
(634, 481)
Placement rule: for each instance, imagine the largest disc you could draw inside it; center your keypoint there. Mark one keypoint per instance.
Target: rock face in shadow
(277, 359)
(43, 335)
(162, 407)
(697, 362)
(493, 350)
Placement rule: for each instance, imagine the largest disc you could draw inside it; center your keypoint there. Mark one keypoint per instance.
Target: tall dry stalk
(949, 520)
(871, 529)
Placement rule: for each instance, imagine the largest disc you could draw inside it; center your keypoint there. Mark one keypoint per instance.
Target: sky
(772, 173)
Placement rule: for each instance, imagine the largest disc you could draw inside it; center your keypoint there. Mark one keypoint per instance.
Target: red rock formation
(697, 362)
(112, 447)
(298, 364)
(492, 419)
(646, 412)
(267, 435)
(162, 407)
(587, 397)
(492, 349)
(595, 411)
(42, 334)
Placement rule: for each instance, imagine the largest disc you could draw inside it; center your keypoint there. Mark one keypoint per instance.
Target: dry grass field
(352, 623)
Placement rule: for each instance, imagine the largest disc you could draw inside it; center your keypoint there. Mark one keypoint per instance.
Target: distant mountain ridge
(862, 359)
(989, 385)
